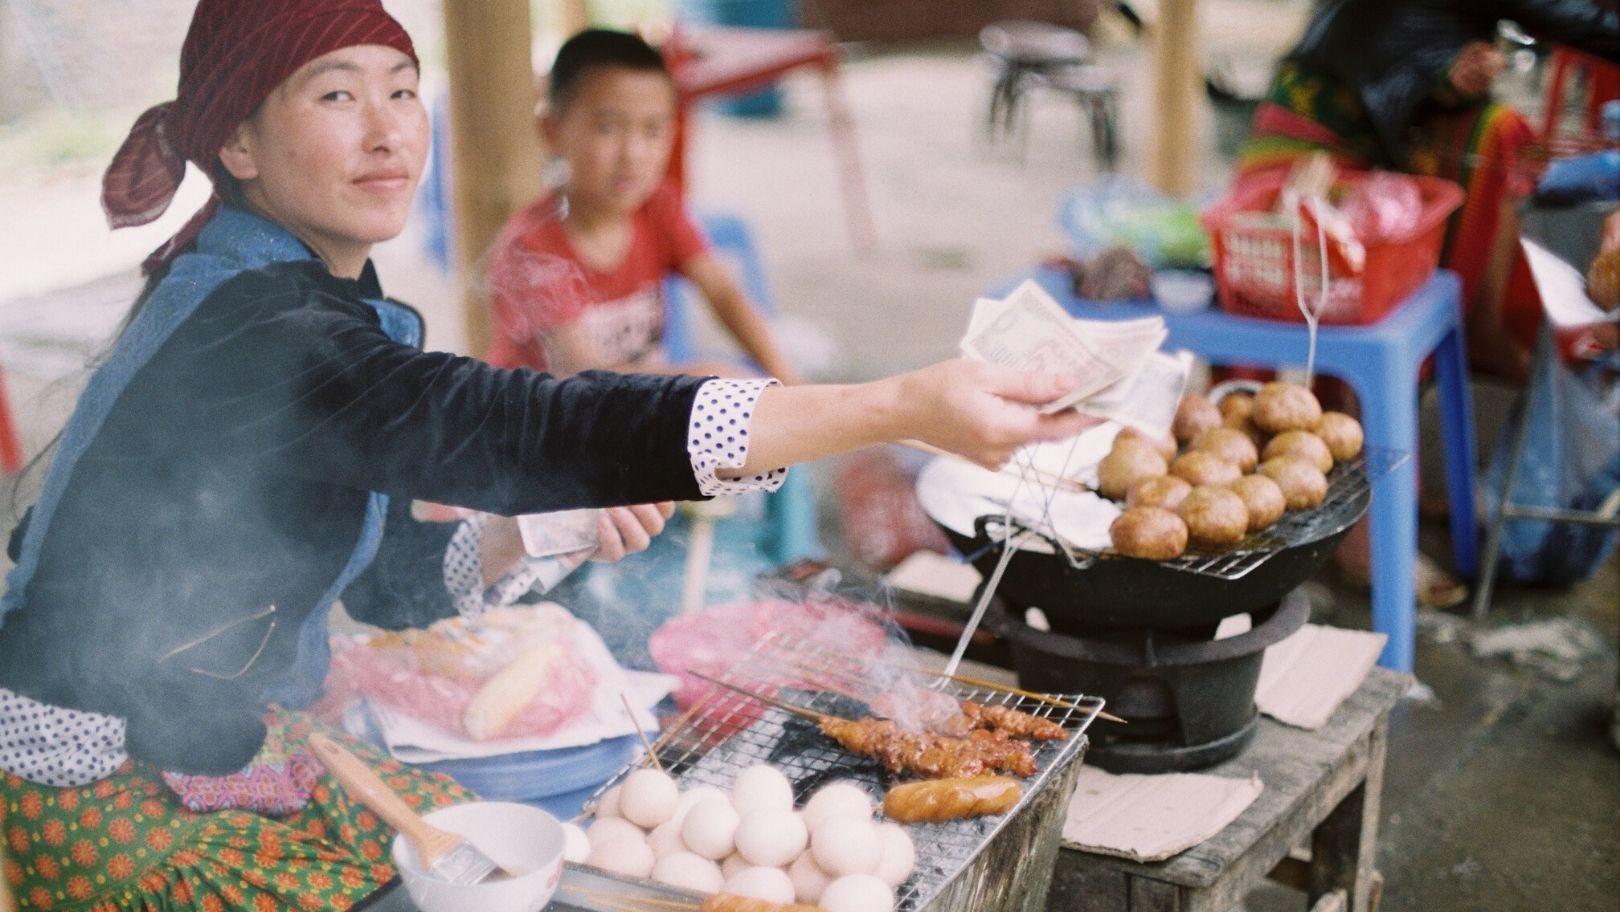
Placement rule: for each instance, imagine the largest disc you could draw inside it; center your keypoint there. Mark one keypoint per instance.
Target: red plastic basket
(1254, 255)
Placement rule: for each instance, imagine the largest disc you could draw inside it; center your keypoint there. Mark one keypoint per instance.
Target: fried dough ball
(1195, 413)
(1282, 407)
(1341, 433)
(1214, 515)
(1167, 491)
(1236, 407)
(1151, 532)
(1165, 446)
(1303, 444)
(1303, 485)
(1263, 498)
(1205, 468)
(1230, 444)
(1125, 466)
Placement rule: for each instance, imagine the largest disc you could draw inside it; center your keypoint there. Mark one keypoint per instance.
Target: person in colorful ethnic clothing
(1406, 85)
(247, 454)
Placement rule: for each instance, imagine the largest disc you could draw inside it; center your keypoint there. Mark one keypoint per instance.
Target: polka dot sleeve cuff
(57, 747)
(717, 437)
(464, 572)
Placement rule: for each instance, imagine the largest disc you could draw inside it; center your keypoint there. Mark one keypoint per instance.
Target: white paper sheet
(415, 741)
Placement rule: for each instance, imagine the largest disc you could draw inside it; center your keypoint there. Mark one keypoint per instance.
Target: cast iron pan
(1088, 593)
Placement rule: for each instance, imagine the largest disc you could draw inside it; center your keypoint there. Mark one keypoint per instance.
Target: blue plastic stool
(1381, 363)
(790, 513)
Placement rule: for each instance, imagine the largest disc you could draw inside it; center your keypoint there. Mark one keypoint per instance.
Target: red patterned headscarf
(236, 52)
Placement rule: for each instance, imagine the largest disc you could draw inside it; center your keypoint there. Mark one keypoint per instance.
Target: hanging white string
(1028, 475)
(1311, 314)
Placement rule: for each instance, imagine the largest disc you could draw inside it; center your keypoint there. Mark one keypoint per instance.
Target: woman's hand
(975, 410)
(1476, 69)
(983, 412)
(620, 531)
(629, 530)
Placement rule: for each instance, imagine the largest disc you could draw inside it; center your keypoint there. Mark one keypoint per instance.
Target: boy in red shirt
(576, 277)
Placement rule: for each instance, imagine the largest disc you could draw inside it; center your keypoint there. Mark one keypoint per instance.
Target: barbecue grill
(988, 864)
(1140, 633)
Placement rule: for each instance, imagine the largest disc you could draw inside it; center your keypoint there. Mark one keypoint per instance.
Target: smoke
(530, 294)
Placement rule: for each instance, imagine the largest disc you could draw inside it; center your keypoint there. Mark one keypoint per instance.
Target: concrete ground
(1503, 788)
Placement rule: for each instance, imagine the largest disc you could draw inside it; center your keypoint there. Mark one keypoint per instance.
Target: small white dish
(521, 839)
(1182, 290)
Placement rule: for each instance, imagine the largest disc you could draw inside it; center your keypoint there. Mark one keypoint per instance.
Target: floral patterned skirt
(126, 843)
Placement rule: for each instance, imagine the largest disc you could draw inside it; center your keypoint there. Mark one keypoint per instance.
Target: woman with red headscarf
(247, 453)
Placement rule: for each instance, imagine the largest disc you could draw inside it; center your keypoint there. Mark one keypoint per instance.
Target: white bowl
(1182, 290)
(517, 837)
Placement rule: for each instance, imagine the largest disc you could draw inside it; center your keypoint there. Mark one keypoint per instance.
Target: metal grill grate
(726, 732)
(1349, 487)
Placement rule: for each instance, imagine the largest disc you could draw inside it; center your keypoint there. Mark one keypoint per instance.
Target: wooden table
(1322, 791)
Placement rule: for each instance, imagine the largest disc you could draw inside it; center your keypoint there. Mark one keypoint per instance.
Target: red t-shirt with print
(537, 283)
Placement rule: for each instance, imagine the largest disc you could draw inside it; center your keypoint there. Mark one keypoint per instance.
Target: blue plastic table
(1381, 363)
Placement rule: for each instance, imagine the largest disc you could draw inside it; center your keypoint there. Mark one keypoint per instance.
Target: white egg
(733, 864)
(623, 855)
(710, 829)
(899, 854)
(683, 869)
(648, 797)
(761, 787)
(847, 844)
(608, 804)
(692, 796)
(836, 799)
(576, 845)
(769, 884)
(771, 838)
(665, 839)
(857, 893)
(808, 879)
(603, 829)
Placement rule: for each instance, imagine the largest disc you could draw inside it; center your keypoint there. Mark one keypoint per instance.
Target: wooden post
(575, 15)
(1178, 89)
(493, 145)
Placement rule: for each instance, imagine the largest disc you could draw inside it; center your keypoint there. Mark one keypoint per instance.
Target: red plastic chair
(707, 61)
(11, 451)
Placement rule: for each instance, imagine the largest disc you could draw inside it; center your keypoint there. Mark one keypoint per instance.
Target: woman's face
(335, 152)
(615, 135)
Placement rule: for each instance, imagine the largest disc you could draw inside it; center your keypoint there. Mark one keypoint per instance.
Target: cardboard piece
(1152, 817)
(1304, 678)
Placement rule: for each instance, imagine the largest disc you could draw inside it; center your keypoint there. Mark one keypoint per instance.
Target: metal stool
(1016, 49)
(1097, 91)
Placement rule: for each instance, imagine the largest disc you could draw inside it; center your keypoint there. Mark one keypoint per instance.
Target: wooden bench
(1321, 795)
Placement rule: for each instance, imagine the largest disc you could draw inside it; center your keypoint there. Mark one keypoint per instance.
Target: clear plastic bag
(1116, 211)
(1571, 461)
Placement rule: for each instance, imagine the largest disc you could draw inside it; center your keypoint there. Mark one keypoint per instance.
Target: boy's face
(616, 137)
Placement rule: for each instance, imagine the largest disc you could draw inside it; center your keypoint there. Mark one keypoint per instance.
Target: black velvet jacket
(1394, 52)
(234, 474)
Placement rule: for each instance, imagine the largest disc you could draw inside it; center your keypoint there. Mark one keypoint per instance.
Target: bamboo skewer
(991, 685)
(606, 897)
(811, 714)
(644, 742)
